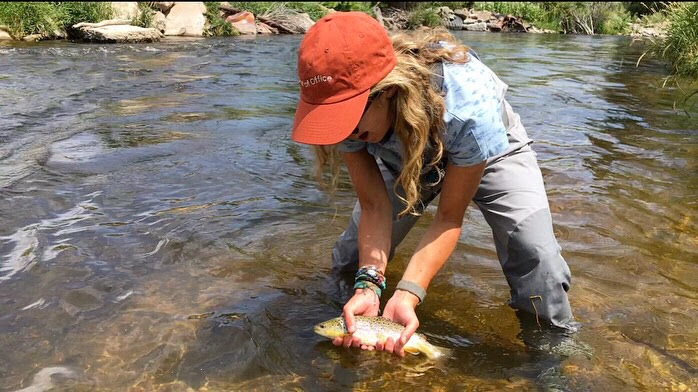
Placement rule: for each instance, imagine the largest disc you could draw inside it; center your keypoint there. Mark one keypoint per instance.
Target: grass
(425, 14)
(25, 18)
(145, 16)
(46, 18)
(217, 26)
(680, 47)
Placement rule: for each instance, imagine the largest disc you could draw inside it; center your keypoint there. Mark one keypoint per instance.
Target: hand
(365, 302)
(400, 309)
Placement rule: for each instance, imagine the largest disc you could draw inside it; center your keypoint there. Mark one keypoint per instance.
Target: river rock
(186, 19)
(463, 13)
(479, 26)
(115, 30)
(244, 22)
(125, 9)
(5, 36)
(160, 21)
(163, 6)
(263, 28)
(482, 15)
(32, 37)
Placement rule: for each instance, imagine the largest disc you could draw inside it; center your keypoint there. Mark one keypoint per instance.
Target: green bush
(344, 6)
(145, 16)
(681, 44)
(25, 18)
(423, 15)
(84, 11)
(616, 22)
(218, 26)
(255, 7)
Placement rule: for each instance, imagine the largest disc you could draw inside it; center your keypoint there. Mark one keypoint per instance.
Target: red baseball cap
(340, 58)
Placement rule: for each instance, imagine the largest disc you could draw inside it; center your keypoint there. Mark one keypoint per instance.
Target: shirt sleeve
(349, 145)
(475, 131)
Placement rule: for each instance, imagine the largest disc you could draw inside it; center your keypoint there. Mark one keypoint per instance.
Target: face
(377, 117)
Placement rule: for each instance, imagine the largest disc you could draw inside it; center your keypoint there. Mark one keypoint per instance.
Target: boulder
(496, 26)
(463, 13)
(482, 15)
(5, 36)
(186, 19)
(125, 9)
(163, 6)
(244, 22)
(160, 21)
(288, 21)
(263, 28)
(114, 31)
(479, 26)
(32, 37)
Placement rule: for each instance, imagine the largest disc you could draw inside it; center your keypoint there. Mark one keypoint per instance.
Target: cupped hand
(400, 309)
(365, 302)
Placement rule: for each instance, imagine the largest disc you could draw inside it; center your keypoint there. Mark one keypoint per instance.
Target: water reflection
(159, 230)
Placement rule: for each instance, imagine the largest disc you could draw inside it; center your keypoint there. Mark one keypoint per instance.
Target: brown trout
(371, 330)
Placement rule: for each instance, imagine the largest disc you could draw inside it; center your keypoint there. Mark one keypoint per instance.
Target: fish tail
(435, 352)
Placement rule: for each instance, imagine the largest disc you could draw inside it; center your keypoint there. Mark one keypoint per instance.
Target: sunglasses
(368, 103)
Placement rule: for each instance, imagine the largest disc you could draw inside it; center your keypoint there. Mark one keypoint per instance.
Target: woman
(415, 117)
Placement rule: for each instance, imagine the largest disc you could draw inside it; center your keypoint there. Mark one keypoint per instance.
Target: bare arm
(459, 187)
(375, 228)
(375, 223)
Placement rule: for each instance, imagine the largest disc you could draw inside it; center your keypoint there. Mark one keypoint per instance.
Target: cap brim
(328, 123)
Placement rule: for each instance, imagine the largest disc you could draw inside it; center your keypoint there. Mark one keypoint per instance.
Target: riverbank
(670, 29)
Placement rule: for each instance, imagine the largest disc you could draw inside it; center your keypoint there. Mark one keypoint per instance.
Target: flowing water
(159, 230)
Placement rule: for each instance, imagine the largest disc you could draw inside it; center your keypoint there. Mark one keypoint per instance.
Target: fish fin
(436, 352)
(412, 350)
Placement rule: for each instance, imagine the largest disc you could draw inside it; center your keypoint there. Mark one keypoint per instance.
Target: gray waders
(512, 198)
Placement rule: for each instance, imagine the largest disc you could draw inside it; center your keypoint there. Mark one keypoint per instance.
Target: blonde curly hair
(418, 109)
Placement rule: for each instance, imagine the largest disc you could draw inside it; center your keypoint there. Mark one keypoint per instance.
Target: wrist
(412, 288)
(406, 297)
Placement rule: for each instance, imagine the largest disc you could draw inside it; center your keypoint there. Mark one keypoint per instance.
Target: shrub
(423, 15)
(681, 44)
(24, 18)
(73, 12)
(217, 26)
(144, 17)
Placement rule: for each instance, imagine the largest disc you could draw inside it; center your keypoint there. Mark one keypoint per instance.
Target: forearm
(434, 249)
(375, 227)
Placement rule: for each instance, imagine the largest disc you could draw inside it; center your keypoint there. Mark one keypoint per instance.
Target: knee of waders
(534, 254)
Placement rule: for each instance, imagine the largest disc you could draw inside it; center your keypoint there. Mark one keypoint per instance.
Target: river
(159, 230)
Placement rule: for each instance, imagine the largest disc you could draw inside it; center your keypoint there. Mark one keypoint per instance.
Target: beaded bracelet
(371, 274)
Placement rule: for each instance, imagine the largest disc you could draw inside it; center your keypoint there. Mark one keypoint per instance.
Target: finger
(355, 342)
(409, 330)
(389, 345)
(337, 341)
(349, 318)
(346, 342)
(370, 348)
(379, 346)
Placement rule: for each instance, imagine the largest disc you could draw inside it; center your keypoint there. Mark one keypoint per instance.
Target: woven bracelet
(368, 285)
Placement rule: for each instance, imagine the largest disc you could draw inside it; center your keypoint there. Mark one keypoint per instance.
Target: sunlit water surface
(160, 230)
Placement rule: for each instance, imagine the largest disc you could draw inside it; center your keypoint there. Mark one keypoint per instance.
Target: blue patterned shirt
(474, 130)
